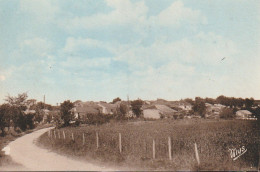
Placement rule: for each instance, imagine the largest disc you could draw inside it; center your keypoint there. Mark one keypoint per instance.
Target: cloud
(203, 48)
(176, 14)
(43, 10)
(75, 44)
(2, 77)
(135, 15)
(36, 46)
(124, 13)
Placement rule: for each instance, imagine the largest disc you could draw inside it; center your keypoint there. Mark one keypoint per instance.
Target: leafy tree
(210, 100)
(249, 103)
(121, 111)
(136, 107)
(188, 100)
(17, 108)
(199, 107)
(227, 113)
(4, 117)
(116, 100)
(66, 114)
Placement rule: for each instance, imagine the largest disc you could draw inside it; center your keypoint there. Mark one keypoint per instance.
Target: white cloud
(36, 46)
(135, 15)
(177, 13)
(75, 44)
(124, 12)
(44, 10)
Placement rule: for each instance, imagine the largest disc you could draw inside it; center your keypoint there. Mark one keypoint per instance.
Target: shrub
(227, 113)
(97, 118)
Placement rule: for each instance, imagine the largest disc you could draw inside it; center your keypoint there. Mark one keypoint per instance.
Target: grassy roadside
(6, 160)
(213, 137)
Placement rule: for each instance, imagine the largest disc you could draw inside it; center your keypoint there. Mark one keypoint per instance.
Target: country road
(33, 158)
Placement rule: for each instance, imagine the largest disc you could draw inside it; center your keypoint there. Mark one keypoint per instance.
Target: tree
(136, 107)
(199, 107)
(116, 100)
(188, 100)
(210, 100)
(227, 113)
(66, 114)
(249, 103)
(121, 111)
(4, 117)
(17, 108)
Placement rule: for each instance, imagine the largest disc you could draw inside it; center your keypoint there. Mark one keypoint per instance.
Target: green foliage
(227, 113)
(199, 107)
(97, 119)
(116, 100)
(121, 111)
(65, 111)
(136, 107)
(4, 117)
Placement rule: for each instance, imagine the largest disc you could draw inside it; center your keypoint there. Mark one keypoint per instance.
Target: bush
(227, 113)
(97, 118)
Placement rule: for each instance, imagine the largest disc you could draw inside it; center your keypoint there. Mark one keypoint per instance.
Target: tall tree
(199, 107)
(116, 100)
(66, 114)
(17, 108)
(136, 107)
(5, 118)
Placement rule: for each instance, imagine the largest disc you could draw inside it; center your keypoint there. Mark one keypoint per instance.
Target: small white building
(243, 114)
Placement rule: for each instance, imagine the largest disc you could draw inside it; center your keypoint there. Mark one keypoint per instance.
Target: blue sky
(148, 49)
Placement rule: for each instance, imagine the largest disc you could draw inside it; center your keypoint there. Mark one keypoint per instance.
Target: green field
(213, 137)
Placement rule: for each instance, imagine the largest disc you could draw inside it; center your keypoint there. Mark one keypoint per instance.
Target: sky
(102, 49)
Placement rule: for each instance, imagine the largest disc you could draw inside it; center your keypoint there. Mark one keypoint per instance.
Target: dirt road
(31, 157)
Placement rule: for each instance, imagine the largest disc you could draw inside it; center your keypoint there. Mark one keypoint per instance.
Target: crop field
(145, 145)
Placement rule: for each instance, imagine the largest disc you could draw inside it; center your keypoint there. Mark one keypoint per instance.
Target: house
(213, 110)
(157, 111)
(107, 108)
(243, 114)
(82, 111)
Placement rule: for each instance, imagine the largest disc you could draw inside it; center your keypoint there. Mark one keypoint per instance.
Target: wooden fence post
(59, 134)
(49, 135)
(170, 148)
(72, 136)
(120, 143)
(197, 154)
(64, 136)
(83, 139)
(153, 149)
(97, 140)
(54, 134)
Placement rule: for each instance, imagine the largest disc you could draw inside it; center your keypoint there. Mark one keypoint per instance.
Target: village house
(243, 114)
(157, 111)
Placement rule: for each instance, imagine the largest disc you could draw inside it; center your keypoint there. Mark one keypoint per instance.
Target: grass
(213, 137)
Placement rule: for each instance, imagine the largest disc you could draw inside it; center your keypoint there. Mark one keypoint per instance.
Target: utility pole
(44, 101)
(128, 107)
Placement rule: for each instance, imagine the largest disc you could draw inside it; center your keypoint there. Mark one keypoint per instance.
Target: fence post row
(170, 148)
(54, 134)
(83, 139)
(120, 143)
(153, 149)
(64, 134)
(97, 140)
(72, 136)
(197, 154)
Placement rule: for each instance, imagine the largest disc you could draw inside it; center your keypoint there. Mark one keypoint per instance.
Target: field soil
(33, 158)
